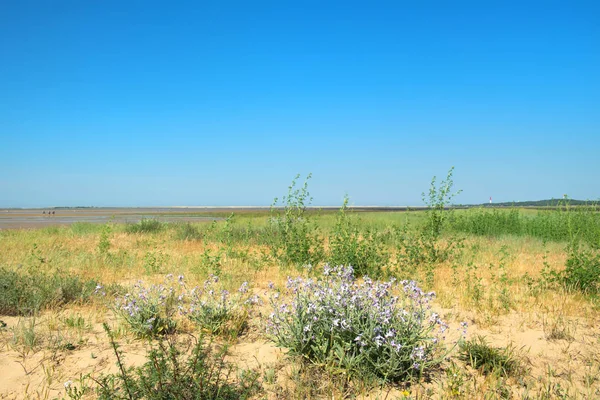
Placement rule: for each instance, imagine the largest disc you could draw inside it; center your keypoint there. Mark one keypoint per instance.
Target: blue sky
(131, 103)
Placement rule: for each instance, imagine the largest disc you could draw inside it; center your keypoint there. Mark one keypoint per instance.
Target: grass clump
(491, 360)
(177, 370)
(27, 291)
(360, 329)
(145, 226)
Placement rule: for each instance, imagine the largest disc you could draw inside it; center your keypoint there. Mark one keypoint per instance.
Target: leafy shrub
(84, 228)
(173, 372)
(215, 310)
(349, 246)
(104, 242)
(154, 261)
(210, 264)
(582, 271)
(149, 311)
(425, 246)
(27, 291)
(187, 231)
(488, 359)
(145, 226)
(294, 239)
(360, 328)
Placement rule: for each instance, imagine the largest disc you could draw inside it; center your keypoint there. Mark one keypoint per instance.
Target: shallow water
(15, 219)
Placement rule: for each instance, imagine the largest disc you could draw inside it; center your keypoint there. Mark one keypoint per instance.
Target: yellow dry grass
(556, 331)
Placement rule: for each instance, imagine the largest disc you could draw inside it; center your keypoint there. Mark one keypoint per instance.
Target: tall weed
(349, 245)
(425, 247)
(295, 239)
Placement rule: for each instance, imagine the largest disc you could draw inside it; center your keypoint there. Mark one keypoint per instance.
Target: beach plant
(154, 262)
(217, 311)
(104, 242)
(581, 272)
(582, 269)
(146, 225)
(210, 263)
(149, 311)
(350, 245)
(187, 231)
(295, 240)
(186, 370)
(376, 330)
(479, 354)
(153, 311)
(425, 247)
(29, 290)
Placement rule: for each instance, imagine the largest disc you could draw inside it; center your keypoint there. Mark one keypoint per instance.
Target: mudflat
(36, 218)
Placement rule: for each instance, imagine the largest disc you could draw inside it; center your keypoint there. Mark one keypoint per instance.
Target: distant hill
(541, 203)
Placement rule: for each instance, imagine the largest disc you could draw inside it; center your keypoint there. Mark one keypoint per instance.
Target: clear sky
(143, 103)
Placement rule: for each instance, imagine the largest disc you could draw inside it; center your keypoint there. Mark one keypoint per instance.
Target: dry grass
(556, 331)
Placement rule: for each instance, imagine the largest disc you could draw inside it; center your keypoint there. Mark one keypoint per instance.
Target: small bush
(104, 242)
(582, 271)
(149, 311)
(294, 240)
(359, 328)
(187, 231)
(145, 226)
(26, 292)
(487, 359)
(154, 261)
(349, 246)
(173, 372)
(425, 246)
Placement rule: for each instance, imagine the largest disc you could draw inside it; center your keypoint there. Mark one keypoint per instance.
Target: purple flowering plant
(384, 330)
(218, 311)
(149, 311)
(153, 310)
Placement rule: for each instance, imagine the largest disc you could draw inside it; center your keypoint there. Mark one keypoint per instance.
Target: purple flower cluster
(212, 306)
(384, 327)
(148, 310)
(151, 310)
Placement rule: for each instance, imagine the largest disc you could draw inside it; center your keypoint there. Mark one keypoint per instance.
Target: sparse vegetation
(358, 329)
(295, 240)
(173, 372)
(29, 291)
(145, 226)
(489, 359)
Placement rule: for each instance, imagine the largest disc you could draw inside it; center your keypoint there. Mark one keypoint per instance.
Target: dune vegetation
(300, 303)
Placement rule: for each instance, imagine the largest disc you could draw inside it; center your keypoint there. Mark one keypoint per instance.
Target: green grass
(490, 360)
(145, 226)
(553, 225)
(28, 292)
